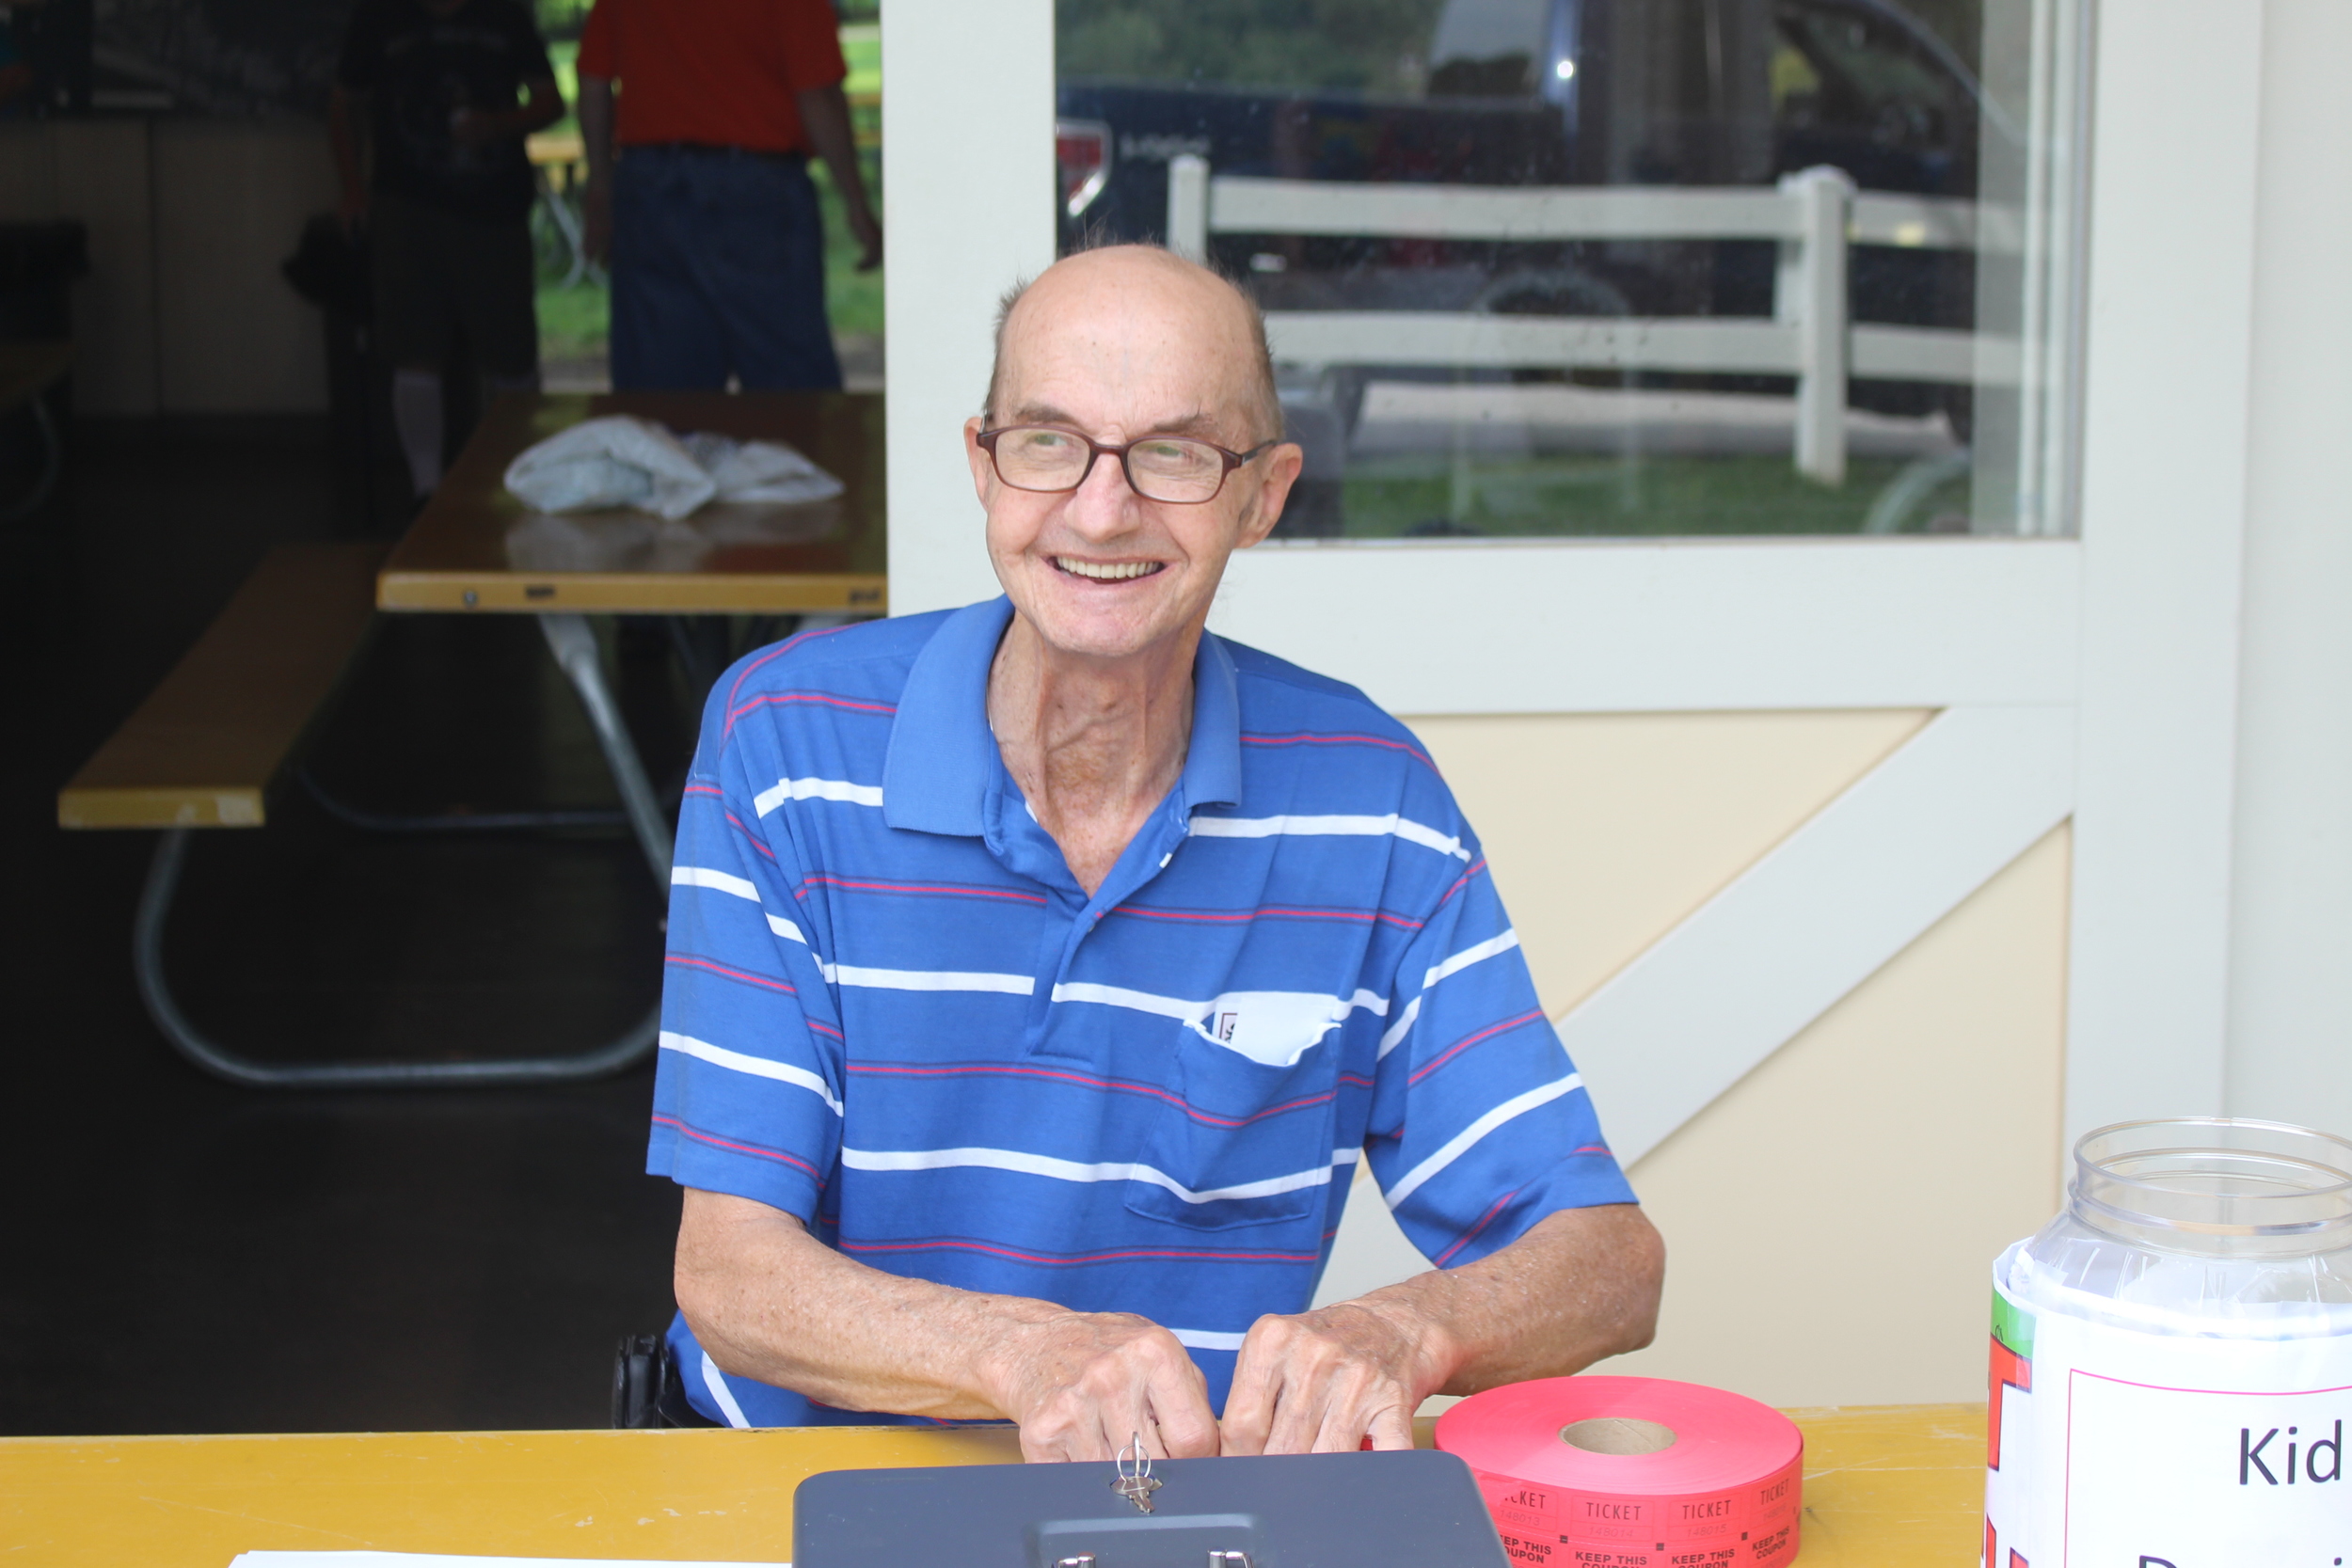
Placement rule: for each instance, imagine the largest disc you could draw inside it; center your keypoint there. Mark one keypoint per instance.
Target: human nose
(1103, 501)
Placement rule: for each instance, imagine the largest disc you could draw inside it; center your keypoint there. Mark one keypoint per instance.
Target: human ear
(1283, 466)
(984, 470)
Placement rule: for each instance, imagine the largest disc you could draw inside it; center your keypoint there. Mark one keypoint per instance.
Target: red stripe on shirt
(1272, 911)
(1121, 1086)
(1530, 1015)
(942, 890)
(1472, 1234)
(1307, 737)
(753, 1150)
(688, 961)
(967, 1243)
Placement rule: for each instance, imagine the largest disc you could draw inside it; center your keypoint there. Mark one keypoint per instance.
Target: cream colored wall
(184, 309)
(1829, 1220)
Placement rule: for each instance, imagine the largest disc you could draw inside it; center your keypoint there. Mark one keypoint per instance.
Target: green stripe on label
(2013, 1325)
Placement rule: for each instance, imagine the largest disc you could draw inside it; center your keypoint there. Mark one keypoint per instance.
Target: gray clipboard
(1390, 1510)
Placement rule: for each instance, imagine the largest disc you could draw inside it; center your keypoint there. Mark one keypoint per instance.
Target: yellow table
(1886, 1487)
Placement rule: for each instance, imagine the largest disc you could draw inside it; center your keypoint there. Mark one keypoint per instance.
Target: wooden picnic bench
(211, 748)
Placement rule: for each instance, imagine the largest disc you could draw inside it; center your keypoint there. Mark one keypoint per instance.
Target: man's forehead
(1133, 322)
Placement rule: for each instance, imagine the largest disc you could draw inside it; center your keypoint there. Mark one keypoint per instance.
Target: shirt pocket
(1244, 1136)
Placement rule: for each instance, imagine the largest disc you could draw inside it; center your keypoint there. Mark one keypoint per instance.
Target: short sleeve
(1481, 1125)
(748, 1090)
(361, 64)
(597, 57)
(812, 45)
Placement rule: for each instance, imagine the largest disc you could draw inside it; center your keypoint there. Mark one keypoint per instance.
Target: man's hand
(1581, 1284)
(1084, 1384)
(1324, 1381)
(868, 232)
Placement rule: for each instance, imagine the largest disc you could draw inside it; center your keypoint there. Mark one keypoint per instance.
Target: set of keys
(1133, 1480)
(1135, 1484)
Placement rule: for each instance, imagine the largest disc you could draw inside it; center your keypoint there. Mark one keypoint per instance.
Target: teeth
(1107, 570)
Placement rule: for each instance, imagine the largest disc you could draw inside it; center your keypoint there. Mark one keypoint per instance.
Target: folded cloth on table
(621, 459)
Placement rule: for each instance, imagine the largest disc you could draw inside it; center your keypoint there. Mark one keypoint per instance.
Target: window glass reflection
(1617, 267)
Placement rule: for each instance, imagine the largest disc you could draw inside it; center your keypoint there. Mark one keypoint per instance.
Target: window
(1618, 267)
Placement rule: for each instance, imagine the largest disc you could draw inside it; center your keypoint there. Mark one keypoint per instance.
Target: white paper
(2120, 1447)
(428, 1559)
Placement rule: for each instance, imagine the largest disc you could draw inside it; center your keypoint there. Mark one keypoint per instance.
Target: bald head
(1153, 297)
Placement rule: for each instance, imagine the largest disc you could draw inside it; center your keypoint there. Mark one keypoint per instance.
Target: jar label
(2114, 1448)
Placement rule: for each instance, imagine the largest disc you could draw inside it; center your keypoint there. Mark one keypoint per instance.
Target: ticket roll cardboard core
(1622, 1435)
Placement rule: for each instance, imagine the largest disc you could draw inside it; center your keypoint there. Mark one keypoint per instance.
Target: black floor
(180, 1255)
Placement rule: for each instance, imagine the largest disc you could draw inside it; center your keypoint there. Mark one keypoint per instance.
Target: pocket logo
(1226, 1024)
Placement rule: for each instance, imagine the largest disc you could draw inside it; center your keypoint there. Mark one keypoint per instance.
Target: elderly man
(1039, 971)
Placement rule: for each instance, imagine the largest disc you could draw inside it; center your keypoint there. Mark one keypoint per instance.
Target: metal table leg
(147, 948)
(574, 645)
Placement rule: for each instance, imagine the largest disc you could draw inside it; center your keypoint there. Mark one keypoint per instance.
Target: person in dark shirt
(448, 90)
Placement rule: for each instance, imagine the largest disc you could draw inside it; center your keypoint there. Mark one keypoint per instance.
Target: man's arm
(1580, 1285)
(595, 140)
(825, 115)
(769, 1301)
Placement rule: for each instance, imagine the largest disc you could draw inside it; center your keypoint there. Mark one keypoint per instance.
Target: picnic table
(210, 747)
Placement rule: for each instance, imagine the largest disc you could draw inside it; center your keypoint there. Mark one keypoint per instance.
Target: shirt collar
(942, 759)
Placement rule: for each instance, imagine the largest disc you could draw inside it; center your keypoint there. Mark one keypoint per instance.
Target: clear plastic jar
(2203, 1225)
(2172, 1356)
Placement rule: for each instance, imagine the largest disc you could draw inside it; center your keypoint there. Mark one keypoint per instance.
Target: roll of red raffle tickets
(1631, 1472)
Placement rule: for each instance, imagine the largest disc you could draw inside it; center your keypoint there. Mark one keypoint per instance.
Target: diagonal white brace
(1817, 915)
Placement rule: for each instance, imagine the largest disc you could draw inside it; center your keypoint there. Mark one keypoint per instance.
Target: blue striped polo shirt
(891, 1010)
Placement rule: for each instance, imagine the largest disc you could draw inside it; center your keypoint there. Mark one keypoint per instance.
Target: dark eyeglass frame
(1096, 451)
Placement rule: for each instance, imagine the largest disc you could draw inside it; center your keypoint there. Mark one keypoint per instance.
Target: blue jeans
(718, 269)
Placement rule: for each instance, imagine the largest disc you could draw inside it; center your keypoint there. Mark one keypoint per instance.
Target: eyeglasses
(1159, 468)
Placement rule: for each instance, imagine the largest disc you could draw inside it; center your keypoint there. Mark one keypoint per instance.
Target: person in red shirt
(699, 187)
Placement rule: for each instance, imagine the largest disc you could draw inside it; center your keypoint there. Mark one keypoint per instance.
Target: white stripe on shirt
(727, 881)
(1469, 955)
(1444, 967)
(1207, 1339)
(1269, 827)
(928, 979)
(718, 881)
(1026, 1164)
(818, 789)
(716, 1382)
(1397, 1031)
(758, 1067)
(1460, 1143)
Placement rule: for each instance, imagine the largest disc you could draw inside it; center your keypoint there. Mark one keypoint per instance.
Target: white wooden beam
(2165, 476)
(1817, 915)
(1686, 625)
(968, 208)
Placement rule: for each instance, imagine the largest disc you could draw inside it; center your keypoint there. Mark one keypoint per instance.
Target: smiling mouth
(1107, 571)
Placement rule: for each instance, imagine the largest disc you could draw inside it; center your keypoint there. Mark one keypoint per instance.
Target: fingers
(1309, 1384)
(1108, 1383)
(1183, 1425)
(1249, 1406)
